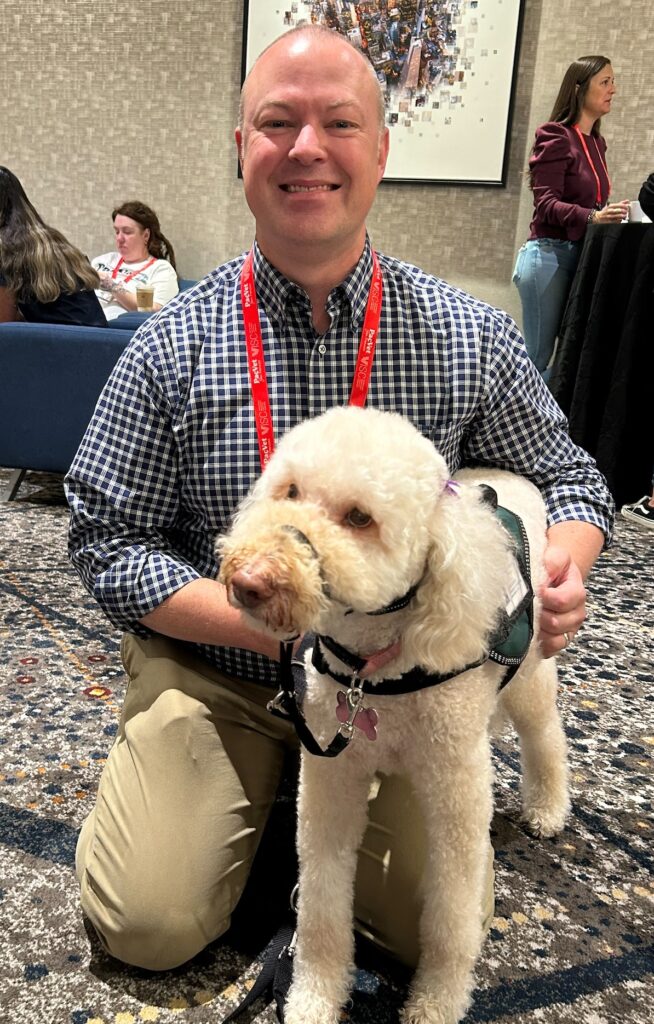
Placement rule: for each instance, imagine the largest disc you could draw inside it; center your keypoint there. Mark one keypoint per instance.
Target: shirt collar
(274, 290)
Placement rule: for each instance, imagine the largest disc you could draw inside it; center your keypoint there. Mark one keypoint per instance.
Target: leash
(275, 977)
(285, 705)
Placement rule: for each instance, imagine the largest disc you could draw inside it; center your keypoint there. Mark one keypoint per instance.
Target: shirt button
(322, 349)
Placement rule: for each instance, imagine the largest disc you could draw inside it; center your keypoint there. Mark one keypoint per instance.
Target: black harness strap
(508, 647)
(413, 680)
(285, 705)
(399, 602)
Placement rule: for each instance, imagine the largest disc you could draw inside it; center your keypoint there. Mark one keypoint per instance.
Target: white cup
(635, 212)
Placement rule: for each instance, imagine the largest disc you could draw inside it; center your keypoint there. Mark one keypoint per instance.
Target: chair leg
(15, 481)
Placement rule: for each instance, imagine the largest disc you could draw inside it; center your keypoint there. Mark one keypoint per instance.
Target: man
(173, 447)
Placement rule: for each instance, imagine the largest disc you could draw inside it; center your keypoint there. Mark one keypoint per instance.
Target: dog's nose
(250, 589)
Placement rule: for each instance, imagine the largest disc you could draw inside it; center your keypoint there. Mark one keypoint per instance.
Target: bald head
(313, 149)
(301, 37)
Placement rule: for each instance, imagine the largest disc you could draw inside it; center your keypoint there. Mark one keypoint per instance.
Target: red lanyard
(592, 165)
(257, 367)
(134, 272)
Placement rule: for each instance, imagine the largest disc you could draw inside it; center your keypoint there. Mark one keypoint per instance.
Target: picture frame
(448, 70)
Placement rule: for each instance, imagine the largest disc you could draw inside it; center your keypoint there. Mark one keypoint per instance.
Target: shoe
(639, 512)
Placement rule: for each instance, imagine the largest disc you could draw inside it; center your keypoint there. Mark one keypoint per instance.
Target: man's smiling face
(312, 147)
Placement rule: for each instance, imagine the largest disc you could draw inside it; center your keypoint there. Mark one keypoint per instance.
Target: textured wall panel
(105, 102)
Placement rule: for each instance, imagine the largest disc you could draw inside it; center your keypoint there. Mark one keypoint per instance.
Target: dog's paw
(421, 1009)
(546, 804)
(543, 825)
(546, 820)
(306, 1006)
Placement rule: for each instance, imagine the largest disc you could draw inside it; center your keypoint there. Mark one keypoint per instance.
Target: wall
(105, 102)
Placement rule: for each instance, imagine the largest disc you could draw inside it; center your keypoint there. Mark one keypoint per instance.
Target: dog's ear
(460, 600)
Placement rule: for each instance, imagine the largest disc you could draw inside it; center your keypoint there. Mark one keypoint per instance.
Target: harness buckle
(276, 705)
(353, 699)
(289, 950)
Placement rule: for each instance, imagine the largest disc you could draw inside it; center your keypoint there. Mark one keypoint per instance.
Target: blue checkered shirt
(172, 446)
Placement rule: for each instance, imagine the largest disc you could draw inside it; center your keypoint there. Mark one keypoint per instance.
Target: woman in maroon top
(571, 185)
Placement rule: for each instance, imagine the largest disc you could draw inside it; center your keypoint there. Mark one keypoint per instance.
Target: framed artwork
(447, 70)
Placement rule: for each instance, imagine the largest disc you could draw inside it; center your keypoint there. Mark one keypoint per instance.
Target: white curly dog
(354, 515)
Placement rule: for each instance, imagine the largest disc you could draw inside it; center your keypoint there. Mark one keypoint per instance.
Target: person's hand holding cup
(612, 213)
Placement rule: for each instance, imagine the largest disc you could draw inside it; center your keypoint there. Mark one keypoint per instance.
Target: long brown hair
(35, 259)
(158, 244)
(569, 103)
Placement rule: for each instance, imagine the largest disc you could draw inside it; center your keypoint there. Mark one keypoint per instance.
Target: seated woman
(144, 257)
(43, 277)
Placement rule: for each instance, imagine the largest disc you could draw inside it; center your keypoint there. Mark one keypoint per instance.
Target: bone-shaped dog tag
(362, 718)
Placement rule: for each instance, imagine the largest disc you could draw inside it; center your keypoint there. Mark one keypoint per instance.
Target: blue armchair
(51, 376)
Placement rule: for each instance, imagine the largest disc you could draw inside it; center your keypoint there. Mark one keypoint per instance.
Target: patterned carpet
(572, 939)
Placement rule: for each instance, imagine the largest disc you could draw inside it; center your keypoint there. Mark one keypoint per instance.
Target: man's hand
(572, 548)
(563, 601)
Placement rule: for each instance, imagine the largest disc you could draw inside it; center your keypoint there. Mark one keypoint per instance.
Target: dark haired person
(143, 256)
(43, 278)
(571, 186)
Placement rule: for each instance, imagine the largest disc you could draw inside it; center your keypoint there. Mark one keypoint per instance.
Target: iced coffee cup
(144, 298)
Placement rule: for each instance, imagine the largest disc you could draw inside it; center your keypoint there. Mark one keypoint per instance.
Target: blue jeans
(543, 274)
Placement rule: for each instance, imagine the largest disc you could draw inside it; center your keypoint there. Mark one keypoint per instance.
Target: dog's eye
(293, 491)
(355, 517)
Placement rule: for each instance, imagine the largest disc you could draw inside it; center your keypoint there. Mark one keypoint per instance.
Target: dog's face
(341, 516)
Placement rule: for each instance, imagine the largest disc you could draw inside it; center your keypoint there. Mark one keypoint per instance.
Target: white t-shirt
(160, 274)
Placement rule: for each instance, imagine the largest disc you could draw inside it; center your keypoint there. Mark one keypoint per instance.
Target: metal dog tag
(351, 713)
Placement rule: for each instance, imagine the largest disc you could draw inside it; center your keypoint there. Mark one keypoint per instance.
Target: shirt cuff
(135, 587)
(575, 511)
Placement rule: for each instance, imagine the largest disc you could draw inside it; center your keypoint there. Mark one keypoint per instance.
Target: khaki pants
(164, 856)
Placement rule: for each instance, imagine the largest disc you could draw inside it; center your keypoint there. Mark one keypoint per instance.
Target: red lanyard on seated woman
(256, 363)
(599, 202)
(134, 272)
